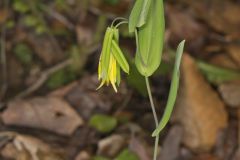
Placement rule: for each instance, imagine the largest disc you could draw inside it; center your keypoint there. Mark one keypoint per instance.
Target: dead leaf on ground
(189, 29)
(45, 48)
(223, 60)
(138, 146)
(217, 14)
(83, 155)
(199, 109)
(206, 157)
(111, 146)
(50, 113)
(88, 101)
(171, 145)
(231, 93)
(3, 15)
(23, 147)
(234, 52)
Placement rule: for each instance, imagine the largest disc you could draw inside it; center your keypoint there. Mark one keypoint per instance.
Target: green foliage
(60, 78)
(127, 155)
(135, 79)
(173, 91)
(33, 21)
(117, 53)
(77, 58)
(139, 13)
(21, 6)
(112, 2)
(100, 158)
(23, 53)
(218, 75)
(149, 46)
(103, 123)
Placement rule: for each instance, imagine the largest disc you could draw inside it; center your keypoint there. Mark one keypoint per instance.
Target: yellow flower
(111, 60)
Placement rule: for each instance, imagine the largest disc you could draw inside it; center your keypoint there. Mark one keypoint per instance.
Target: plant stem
(154, 115)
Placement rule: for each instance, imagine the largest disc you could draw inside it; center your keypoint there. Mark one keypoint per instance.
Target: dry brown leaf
(206, 157)
(138, 146)
(231, 93)
(199, 109)
(83, 155)
(46, 48)
(110, 146)
(25, 147)
(3, 15)
(50, 113)
(189, 29)
(220, 15)
(234, 52)
(223, 60)
(171, 146)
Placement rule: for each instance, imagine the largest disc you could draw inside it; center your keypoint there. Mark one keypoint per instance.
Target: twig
(60, 18)
(44, 76)
(3, 58)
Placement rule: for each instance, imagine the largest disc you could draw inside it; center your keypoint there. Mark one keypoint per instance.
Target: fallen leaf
(86, 100)
(223, 60)
(217, 14)
(111, 146)
(231, 93)
(171, 145)
(46, 48)
(50, 113)
(4, 14)
(24, 147)
(206, 157)
(234, 52)
(199, 109)
(83, 155)
(137, 146)
(189, 29)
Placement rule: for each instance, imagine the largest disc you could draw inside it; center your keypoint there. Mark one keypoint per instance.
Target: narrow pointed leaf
(118, 55)
(173, 91)
(105, 55)
(138, 16)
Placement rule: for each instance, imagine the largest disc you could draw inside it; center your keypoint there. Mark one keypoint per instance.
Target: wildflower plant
(147, 22)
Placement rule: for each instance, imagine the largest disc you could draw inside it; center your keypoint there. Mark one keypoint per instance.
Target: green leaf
(118, 55)
(23, 53)
(127, 155)
(100, 158)
(135, 79)
(112, 2)
(139, 14)
(105, 58)
(21, 6)
(218, 75)
(173, 91)
(150, 38)
(103, 123)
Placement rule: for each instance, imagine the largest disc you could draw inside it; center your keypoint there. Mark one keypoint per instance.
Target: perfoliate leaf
(173, 91)
(118, 55)
(139, 14)
(216, 74)
(150, 38)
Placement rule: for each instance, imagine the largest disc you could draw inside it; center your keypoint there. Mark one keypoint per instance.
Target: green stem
(155, 117)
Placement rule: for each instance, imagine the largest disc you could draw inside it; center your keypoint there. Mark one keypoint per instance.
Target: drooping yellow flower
(111, 60)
